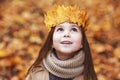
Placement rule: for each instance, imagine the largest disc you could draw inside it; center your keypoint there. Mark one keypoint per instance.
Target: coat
(40, 73)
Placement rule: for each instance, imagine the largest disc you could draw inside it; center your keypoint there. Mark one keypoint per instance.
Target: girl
(66, 54)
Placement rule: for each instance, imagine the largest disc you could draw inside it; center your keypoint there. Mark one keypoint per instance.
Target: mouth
(66, 42)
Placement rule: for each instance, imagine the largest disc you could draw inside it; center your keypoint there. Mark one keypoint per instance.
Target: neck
(64, 56)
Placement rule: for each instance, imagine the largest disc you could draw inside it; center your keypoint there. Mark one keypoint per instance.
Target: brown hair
(89, 73)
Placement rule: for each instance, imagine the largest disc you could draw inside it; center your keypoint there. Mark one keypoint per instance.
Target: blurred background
(22, 32)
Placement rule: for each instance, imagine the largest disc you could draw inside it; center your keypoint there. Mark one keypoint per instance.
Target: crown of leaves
(59, 14)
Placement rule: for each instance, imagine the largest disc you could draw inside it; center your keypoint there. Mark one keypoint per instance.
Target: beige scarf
(69, 68)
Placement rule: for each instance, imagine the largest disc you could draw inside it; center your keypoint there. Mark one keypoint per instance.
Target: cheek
(78, 40)
(55, 40)
(78, 44)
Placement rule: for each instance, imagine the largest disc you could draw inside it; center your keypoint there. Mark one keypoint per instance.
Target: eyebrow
(74, 25)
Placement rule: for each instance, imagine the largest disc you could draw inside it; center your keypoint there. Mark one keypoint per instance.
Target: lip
(66, 42)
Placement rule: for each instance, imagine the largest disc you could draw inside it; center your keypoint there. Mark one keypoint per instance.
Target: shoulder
(38, 73)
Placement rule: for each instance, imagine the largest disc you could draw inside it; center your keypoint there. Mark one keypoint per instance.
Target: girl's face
(67, 39)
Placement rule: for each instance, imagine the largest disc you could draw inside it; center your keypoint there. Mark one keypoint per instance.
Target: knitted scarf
(69, 68)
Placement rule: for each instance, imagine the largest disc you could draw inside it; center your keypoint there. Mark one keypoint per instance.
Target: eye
(60, 29)
(74, 30)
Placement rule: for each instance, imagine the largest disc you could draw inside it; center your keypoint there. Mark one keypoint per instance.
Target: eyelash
(73, 29)
(60, 29)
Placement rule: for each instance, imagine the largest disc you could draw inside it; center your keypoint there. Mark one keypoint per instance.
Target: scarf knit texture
(69, 68)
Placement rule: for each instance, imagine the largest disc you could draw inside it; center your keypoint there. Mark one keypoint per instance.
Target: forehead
(67, 24)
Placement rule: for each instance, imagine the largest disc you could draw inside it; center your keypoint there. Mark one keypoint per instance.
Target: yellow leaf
(17, 60)
(3, 53)
(97, 69)
(117, 52)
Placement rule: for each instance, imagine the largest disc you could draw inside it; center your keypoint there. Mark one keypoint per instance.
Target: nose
(66, 34)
